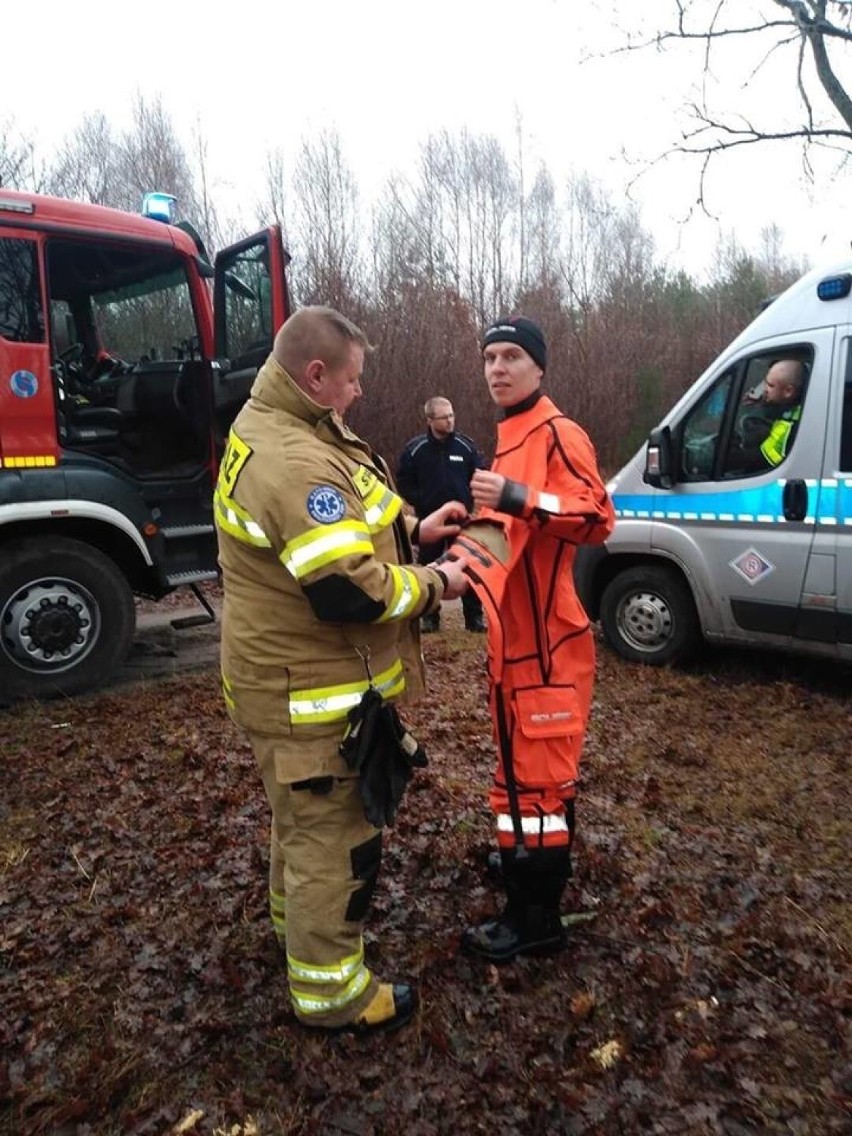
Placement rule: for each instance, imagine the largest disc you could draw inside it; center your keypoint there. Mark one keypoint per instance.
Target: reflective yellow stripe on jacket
(332, 703)
(321, 546)
(234, 520)
(381, 504)
(406, 594)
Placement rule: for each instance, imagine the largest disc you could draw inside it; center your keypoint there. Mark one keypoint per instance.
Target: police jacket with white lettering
(317, 573)
(434, 470)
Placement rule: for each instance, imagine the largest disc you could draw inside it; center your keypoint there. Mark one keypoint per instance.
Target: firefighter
(545, 496)
(433, 468)
(321, 601)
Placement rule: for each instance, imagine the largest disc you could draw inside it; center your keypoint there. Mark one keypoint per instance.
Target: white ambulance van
(723, 534)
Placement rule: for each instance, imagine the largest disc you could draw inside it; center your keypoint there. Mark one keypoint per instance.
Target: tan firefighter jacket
(317, 573)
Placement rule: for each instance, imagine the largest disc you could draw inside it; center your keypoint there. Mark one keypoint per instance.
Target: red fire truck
(124, 356)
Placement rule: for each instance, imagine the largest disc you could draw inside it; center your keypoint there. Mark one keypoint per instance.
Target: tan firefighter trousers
(324, 862)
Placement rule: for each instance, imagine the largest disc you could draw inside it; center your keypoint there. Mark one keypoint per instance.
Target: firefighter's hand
(457, 582)
(487, 488)
(443, 524)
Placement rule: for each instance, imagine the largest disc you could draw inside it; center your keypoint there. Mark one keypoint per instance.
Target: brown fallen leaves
(142, 990)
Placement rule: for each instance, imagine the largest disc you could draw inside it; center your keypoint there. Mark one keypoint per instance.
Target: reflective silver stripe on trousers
(533, 825)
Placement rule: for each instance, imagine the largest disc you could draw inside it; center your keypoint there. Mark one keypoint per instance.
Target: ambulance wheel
(67, 618)
(648, 616)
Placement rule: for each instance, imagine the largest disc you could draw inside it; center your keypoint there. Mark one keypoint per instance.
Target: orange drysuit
(540, 645)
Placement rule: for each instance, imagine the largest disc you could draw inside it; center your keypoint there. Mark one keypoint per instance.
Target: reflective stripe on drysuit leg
(330, 857)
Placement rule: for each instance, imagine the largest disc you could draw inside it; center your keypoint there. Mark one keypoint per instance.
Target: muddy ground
(709, 989)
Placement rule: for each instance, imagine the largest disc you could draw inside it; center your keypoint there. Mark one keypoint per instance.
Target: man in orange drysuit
(541, 498)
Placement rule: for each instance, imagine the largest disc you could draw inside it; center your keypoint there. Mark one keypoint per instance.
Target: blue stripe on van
(755, 504)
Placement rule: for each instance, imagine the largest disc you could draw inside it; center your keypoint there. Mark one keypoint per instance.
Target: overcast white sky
(385, 74)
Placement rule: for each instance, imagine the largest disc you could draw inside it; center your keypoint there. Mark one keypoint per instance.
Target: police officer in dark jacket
(434, 468)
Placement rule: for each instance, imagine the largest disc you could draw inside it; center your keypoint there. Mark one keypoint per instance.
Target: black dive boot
(530, 923)
(494, 867)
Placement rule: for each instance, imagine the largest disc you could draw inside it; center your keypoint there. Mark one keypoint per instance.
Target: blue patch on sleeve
(326, 504)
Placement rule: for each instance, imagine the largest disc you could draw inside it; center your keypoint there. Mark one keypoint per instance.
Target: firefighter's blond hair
(316, 333)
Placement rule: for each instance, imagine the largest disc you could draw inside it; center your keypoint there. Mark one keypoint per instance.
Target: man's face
(442, 420)
(512, 375)
(339, 386)
(777, 390)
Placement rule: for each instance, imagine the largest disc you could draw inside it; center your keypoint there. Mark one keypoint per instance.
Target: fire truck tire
(67, 618)
(648, 616)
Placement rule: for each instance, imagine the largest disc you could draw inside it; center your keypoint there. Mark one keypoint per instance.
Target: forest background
(437, 255)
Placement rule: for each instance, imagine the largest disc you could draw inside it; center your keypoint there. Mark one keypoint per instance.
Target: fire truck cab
(124, 356)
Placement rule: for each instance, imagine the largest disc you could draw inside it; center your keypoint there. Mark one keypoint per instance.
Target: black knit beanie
(518, 329)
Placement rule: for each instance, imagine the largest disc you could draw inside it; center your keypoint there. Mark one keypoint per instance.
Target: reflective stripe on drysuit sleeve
(574, 504)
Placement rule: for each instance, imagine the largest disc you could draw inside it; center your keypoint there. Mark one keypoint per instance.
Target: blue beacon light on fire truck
(158, 206)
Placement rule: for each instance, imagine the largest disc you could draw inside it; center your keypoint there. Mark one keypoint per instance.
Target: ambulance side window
(21, 315)
(701, 431)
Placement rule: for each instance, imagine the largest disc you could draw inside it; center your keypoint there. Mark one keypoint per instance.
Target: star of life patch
(326, 505)
(752, 566)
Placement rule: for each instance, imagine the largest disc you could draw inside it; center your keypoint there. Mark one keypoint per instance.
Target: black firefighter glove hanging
(382, 752)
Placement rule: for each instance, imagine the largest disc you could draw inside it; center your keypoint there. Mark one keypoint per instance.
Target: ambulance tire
(648, 616)
(67, 618)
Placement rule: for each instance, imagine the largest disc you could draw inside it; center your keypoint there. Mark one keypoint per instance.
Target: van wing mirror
(658, 459)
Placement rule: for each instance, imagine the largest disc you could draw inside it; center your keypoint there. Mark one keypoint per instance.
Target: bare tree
(539, 236)
(216, 228)
(272, 204)
(97, 164)
(326, 232)
(803, 39)
(153, 158)
(424, 330)
(88, 163)
(18, 165)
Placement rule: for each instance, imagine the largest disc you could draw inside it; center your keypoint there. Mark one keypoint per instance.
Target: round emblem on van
(23, 384)
(326, 504)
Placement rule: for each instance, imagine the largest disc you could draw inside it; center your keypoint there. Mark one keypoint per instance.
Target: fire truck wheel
(66, 618)
(648, 616)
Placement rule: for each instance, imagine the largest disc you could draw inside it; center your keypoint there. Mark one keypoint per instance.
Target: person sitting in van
(781, 401)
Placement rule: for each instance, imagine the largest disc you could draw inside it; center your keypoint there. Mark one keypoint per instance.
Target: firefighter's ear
(314, 374)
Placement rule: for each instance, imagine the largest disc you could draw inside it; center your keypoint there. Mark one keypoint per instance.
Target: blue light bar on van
(158, 206)
(835, 287)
